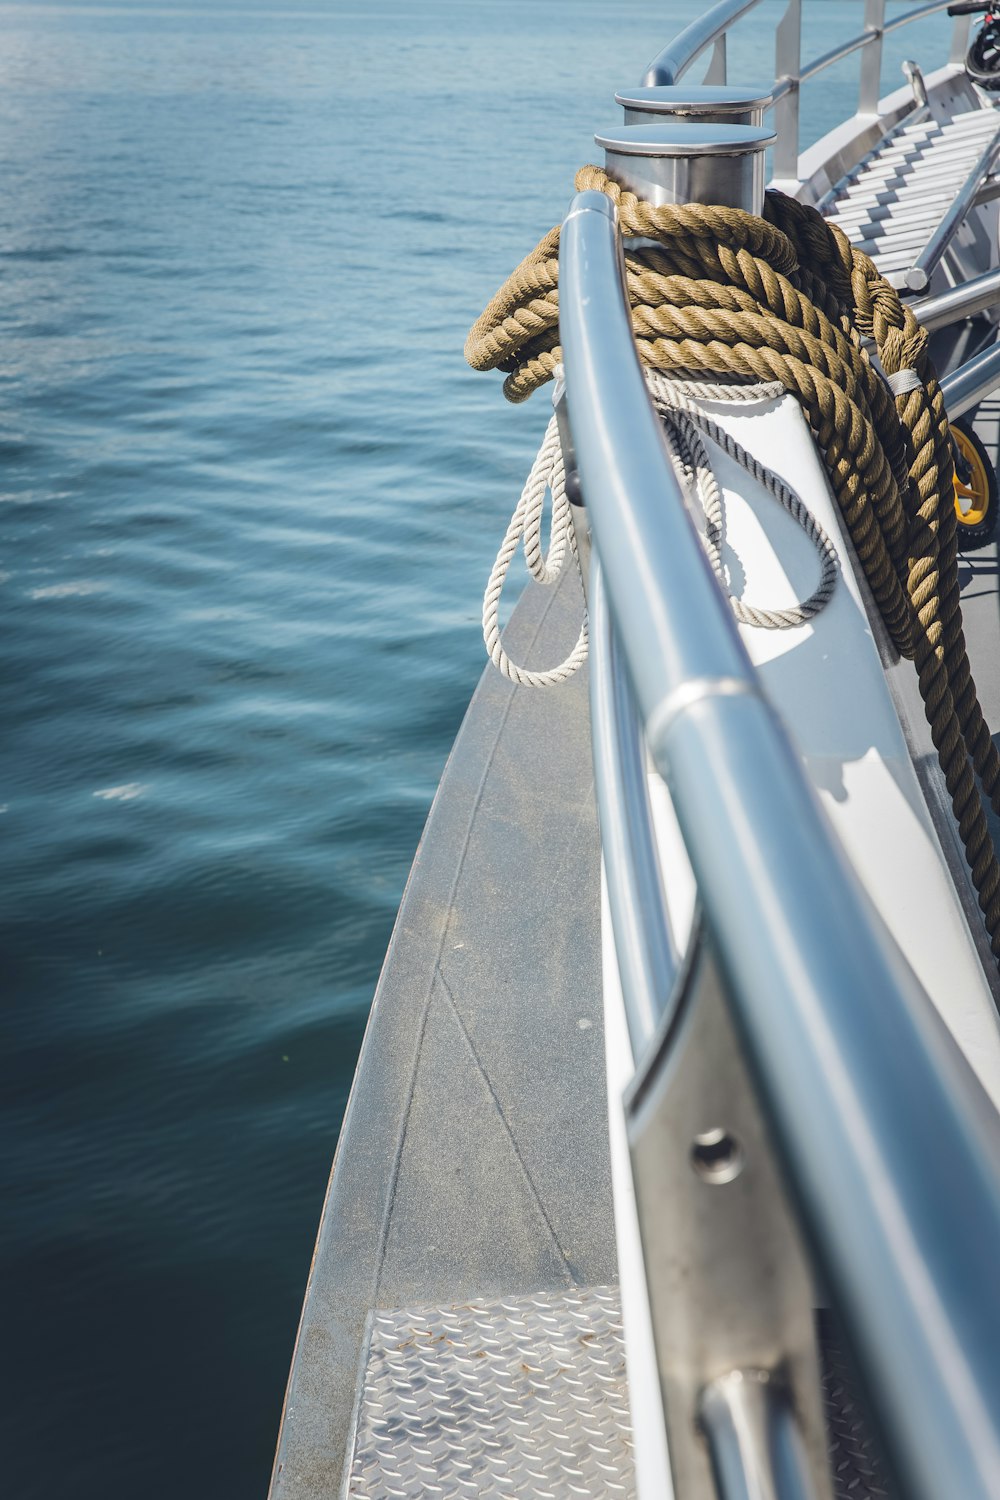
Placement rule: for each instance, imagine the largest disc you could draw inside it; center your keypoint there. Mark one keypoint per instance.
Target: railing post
(787, 66)
(870, 88)
(716, 72)
(959, 39)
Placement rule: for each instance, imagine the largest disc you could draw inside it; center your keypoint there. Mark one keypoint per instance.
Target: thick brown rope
(787, 298)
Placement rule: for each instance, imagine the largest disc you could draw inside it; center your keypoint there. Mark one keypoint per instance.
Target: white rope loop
(547, 473)
(686, 423)
(687, 426)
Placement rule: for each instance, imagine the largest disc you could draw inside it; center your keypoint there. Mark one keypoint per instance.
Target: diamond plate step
(855, 1464)
(525, 1397)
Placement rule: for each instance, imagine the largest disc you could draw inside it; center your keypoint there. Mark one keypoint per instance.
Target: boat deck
(473, 1170)
(473, 1165)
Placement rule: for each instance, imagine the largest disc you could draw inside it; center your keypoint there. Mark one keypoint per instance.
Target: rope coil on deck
(787, 298)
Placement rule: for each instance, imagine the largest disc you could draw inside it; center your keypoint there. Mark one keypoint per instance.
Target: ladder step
(525, 1397)
(892, 203)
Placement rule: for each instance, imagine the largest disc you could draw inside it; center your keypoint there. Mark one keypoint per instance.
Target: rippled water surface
(250, 495)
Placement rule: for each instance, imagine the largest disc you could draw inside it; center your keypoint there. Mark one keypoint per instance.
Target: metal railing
(976, 296)
(687, 46)
(648, 956)
(711, 30)
(972, 382)
(889, 1145)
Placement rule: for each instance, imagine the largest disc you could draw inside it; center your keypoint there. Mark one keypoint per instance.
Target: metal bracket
(730, 1288)
(915, 78)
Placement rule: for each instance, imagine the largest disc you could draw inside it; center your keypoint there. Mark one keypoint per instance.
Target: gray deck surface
(473, 1163)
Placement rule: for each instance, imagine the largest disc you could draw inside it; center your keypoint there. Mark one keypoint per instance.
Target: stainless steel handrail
(638, 555)
(688, 45)
(646, 953)
(837, 54)
(891, 1149)
(964, 301)
(712, 28)
(915, 15)
(972, 382)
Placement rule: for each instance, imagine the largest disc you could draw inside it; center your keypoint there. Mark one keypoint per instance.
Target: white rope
(547, 473)
(686, 423)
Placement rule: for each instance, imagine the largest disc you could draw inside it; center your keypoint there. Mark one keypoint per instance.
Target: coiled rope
(787, 298)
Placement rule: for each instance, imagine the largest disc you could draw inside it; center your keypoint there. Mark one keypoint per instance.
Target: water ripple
(249, 496)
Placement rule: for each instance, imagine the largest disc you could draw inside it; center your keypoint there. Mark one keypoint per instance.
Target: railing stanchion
(959, 39)
(787, 66)
(717, 68)
(870, 89)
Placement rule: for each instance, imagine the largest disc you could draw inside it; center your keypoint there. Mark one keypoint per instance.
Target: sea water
(249, 497)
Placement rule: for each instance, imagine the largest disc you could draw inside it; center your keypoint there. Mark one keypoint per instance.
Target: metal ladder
(904, 203)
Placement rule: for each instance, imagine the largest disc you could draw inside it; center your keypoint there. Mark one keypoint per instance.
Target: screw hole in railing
(717, 1156)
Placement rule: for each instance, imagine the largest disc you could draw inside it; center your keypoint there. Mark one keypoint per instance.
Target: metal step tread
(527, 1397)
(522, 1397)
(855, 1464)
(891, 203)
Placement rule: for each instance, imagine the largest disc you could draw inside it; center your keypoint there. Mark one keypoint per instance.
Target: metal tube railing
(711, 29)
(916, 14)
(646, 955)
(964, 301)
(890, 1146)
(688, 45)
(972, 382)
(639, 554)
(918, 277)
(837, 54)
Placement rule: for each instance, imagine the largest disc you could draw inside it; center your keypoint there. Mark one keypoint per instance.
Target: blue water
(249, 495)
